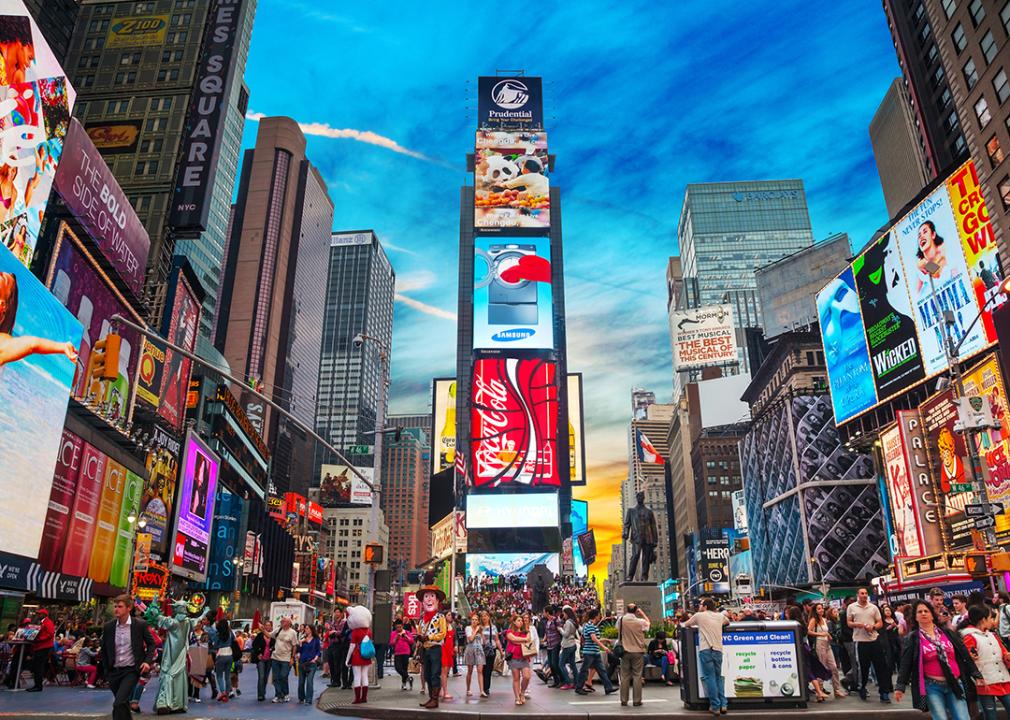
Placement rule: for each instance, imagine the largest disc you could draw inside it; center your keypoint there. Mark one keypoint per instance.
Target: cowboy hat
(429, 588)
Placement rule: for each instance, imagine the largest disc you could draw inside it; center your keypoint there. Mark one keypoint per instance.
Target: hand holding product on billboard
(512, 295)
(511, 189)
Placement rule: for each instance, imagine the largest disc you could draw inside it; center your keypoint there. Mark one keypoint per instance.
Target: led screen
(513, 511)
(495, 564)
(514, 422)
(580, 525)
(512, 295)
(576, 431)
(195, 517)
(443, 424)
(511, 189)
(339, 487)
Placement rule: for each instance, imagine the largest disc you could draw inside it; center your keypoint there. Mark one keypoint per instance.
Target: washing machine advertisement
(512, 296)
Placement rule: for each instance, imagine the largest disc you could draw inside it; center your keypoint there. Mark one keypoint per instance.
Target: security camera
(359, 340)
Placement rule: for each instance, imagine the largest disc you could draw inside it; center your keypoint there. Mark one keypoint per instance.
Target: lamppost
(951, 350)
(380, 421)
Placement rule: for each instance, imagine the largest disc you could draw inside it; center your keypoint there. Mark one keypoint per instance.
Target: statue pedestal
(646, 595)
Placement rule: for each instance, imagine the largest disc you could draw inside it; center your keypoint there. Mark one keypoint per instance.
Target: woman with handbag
(473, 655)
(937, 664)
(309, 653)
(991, 658)
(519, 650)
(491, 645)
(818, 630)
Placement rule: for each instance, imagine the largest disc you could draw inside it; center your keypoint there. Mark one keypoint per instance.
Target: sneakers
(277, 699)
(196, 699)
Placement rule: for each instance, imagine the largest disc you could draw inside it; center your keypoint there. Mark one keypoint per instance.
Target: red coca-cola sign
(514, 422)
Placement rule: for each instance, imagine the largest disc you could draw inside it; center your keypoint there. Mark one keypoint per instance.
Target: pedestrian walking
(631, 629)
(259, 656)
(283, 654)
(520, 651)
(818, 630)
(936, 665)
(127, 653)
(865, 620)
(569, 646)
(473, 655)
(401, 641)
(710, 624)
(221, 641)
(42, 648)
(991, 658)
(309, 652)
(592, 657)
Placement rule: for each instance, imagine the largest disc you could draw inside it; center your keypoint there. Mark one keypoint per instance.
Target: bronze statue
(640, 526)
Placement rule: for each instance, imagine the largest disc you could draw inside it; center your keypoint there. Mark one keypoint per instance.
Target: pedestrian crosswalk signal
(103, 364)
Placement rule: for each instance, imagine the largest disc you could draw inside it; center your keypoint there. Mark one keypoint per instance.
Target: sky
(640, 98)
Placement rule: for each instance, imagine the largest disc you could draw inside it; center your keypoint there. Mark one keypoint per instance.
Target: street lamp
(951, 349)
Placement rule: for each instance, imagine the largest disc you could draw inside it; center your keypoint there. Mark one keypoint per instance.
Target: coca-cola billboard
(514, 422)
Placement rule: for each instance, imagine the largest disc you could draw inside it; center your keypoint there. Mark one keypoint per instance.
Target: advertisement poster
(512, 293)
(517, 510)
(182, 329)
(339, 487)
(901, 494)
(159, 492)
(703, 336)
(845, 351)
(77, 283)
(137, 31)
(949, 463)
(580, 524)
(925, 501)
(759, 664)
(115, 138)
(985, 380)
(443, 424)
(928, 235)
(103, 547)
(151, 373)
(510, 103)
(576, 431)
(978, 242)
(38, 338)
(895, 357)
(513, 422)
(511, 186)
(61, 501)
(195, 516)
(119, 574)
(221, 570)
(83, 522)
(92, 194)
(497, 564)
(34, 117)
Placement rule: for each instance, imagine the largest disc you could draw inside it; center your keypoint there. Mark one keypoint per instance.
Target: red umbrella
(256, 620)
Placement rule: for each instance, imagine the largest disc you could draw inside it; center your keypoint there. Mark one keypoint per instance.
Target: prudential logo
(510, 94)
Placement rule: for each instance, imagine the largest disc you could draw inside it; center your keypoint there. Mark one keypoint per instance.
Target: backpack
(367, 648)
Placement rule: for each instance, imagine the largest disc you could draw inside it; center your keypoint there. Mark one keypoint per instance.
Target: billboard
(92, 194)
(703, 336)
(576, 431)
(83, 288)
(221, 570)
(497, 564)
(512, 511)
(900, 493)
(195, 517)
(162, 465)
(182, 330)
(443, 424)
(510, 103)
(83, 517)
(580, 524)
(115, 138)
(845, 353)
(513, 423)
(137, 31)
(339, 487)
(34, 117)
(925, 501)
(61, 501)
(737, 502)
(511, 187)
(713, 558)
(38, 338)
(949, 465)
(512, 293)
(986, 380)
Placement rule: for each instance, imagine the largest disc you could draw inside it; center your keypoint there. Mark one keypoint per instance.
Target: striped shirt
(589, 646)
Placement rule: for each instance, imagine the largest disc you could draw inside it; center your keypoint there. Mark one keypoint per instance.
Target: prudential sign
(510, 103)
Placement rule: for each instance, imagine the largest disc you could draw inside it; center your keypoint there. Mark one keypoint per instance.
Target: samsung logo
(513, 334)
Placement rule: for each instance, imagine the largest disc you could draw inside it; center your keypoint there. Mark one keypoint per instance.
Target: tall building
(787, 288)
(715, 466)
(405, 422)
(966, 42)
(350, 530)
(405, 488)
(275, 282)
(56, 19)
(148, 73)
(897, 148)
(359, 300)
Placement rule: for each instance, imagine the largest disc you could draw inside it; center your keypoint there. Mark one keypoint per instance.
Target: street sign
(361, 449)
(979, 510)
(985, 522)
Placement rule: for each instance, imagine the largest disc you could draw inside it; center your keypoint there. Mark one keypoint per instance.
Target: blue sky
(641, 98)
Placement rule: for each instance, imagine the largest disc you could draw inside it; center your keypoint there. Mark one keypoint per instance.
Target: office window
(129, 58)
(949, 6)
(115, 107)
(945, 99)
(169, 75)
(171, 56)
(154, 145)
(143, 7)
(147, 167)
(159, 104)
(950, 123)
(924, 33)
(988, 45)
(959, 145)
(97, 26)
(920, 10)
(982, 112)
(932, 54)
(95, 43)
(1004, 191)
(970, 73)
(977, 11)
(1004, 16)
(154, 124)
(1001, 86)
(87, 81)
(938, 75)
(960, 41)
(994, 151)
(182, 19)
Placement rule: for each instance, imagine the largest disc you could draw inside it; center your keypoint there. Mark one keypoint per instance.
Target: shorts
(519, 664)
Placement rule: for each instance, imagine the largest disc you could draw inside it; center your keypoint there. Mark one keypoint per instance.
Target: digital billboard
(703, 336)
(901, 495)
(520, 511)
(949, 464)
(38, 341)
(34, 117)
(512, 293)
(115, 137)
(195, 516)
(156, 504)
(580, 524)
(182, 330)
(576, 431)
(443, 424)
(513, 423)
(506, 564)
(845, 353)
(510, 103)
(511, 186)
(339, 487)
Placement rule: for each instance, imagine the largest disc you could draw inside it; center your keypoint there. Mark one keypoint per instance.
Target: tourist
(935, 663)
(659, 654)
(814, 670)
(473, 655)
(309, 652)
(285, 643)
(221, 640)
(710, 624)
(491, 643)
(631, 629)
(448, 653)
(127, 653)
(87, 663)
(519, 651)
(569, 646)
(990, 656)
(259, 656)
(818, 629)
(552, 643)
(591, 656)
(402, 642)
(865, 620)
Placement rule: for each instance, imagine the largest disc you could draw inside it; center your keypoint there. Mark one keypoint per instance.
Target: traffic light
(103, 363)
(975, 564)
(374, 553)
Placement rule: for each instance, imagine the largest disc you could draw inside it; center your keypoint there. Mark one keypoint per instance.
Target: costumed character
(431, 633)
(173, 691)
(359, 619)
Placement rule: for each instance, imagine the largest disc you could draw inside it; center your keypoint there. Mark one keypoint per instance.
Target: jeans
(262, 675)
(280, 670)
(431, 666)
(222, 671)
(554, 662)
(943, 704)
(568, 667)
(710, 666)
(988, 703)
(306, 674)
(380, 659)
(488, 669)
(632, 668)
(595, 661)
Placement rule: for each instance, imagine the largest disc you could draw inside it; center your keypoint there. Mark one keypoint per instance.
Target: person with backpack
(631, 629)
(990, 656)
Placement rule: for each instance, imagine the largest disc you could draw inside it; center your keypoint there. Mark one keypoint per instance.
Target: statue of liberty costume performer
(173, 690)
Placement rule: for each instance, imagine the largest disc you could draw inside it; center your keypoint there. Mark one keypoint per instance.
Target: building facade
(715, 465)
(350, 530)
(56, 19)
(897, 149)
(405, 489)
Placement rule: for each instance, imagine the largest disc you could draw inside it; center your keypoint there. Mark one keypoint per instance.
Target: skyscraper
(359, 299)
(272, 296)
(138, 68)
(56, 19)
(897, 148)
(405, 498)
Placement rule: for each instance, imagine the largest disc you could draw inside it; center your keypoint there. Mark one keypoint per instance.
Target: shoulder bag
(618, 650)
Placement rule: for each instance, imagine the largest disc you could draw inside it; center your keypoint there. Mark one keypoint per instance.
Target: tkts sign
(514, 422)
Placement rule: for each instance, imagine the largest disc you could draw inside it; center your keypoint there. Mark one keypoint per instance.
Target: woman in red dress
(448, 648)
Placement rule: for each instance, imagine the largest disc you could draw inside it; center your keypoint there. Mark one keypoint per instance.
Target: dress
(173, 691)
(448, 647)
(474, 653)
(357, 636)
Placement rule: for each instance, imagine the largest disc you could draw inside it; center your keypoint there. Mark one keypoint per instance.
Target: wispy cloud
(425, 307)
(417, 280)
(397, 248)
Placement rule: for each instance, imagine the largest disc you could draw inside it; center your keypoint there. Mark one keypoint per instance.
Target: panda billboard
(511, 187)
